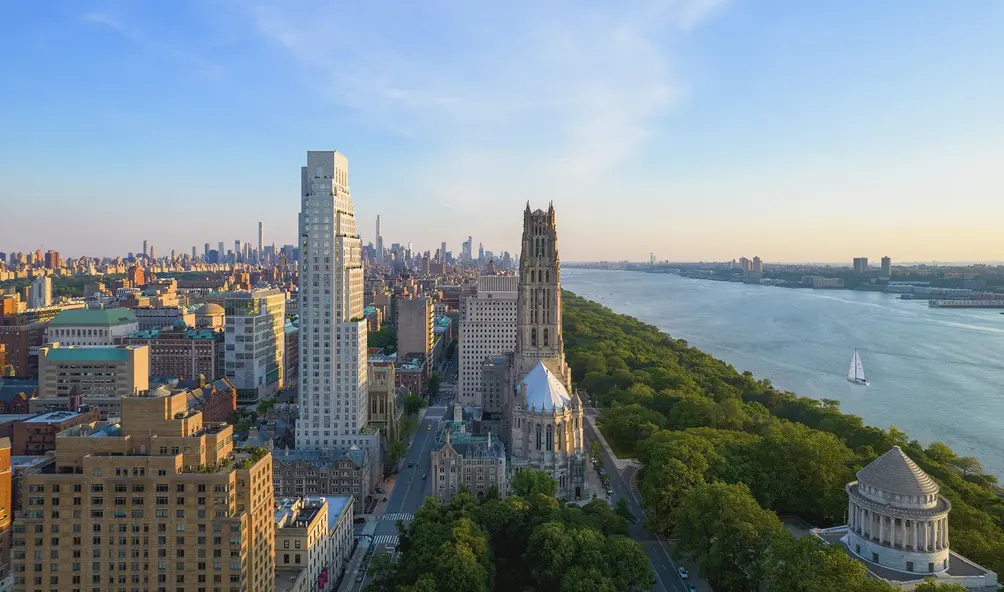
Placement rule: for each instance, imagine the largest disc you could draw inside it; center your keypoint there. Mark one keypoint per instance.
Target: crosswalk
(402, 516)
(385, 539)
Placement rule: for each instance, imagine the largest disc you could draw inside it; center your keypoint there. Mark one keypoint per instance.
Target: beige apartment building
(415, 326)
(159, 501)
(487, 330)
(313, 542)
(99, 375)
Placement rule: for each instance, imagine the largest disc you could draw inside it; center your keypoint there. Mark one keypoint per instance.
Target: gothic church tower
(542, 414)
(538, 310)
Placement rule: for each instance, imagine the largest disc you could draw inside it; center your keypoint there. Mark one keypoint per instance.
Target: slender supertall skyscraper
(333, 378)
(261, 241)
(379, 242)
(144, 249)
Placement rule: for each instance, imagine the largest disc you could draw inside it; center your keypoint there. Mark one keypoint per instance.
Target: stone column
(914, 534)
(927, 535)
(946, 532)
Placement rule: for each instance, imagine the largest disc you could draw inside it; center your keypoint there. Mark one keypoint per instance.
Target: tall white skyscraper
(333, 357)
(379, 242)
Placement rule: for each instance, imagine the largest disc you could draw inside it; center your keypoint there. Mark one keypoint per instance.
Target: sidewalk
(388, 486)
(349, 575)
(619, 463)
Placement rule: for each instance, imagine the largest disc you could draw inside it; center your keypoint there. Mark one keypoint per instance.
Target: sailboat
(856, 373)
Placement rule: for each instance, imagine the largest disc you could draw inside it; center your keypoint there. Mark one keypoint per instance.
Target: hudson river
(936, 374)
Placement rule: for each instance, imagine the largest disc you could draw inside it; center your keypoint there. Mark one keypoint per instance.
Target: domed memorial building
(897, 525)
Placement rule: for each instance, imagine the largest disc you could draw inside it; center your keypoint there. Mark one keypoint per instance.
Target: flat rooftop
(101, 429)
(53, 417)
(27, 461)
(286, 577)
(9, 418)
(336, 505)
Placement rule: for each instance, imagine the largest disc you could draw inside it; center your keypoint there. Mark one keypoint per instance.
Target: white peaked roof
(544, 390)
(895, 472)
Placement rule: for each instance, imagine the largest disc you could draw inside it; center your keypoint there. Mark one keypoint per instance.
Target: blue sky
(695, 129)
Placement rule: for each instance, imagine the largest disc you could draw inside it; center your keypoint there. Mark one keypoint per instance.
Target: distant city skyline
(694, 129)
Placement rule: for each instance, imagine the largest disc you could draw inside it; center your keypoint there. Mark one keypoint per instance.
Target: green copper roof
(88, 354)
(93, 317)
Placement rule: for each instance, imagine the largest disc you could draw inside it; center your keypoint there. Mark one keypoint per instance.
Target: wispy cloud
(588, 77)
(140, 33)
(519, 100)
(103, 19)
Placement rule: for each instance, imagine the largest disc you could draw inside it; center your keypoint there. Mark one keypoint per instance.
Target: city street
(410, 489)
(667, 578)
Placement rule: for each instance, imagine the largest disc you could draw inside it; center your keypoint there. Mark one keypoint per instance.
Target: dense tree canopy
(722, 453)
(517, 543)
(529, 483)
(695, 422)
(413, 404)
(385, 338)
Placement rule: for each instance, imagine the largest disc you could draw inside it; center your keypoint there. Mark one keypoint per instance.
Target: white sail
(856, 373)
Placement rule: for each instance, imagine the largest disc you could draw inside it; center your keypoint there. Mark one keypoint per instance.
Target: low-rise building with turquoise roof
(85, 326)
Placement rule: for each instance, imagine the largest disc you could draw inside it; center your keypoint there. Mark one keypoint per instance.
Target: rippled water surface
(937, 374)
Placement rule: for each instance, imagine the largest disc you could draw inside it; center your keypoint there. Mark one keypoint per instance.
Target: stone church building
(542, 413)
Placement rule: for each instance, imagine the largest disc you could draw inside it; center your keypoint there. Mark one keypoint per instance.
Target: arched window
(533, 275)
(538, 436)
(545, 336)
(533, 337)
(550, 438)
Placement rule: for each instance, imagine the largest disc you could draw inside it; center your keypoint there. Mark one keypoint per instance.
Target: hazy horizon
(691, 129)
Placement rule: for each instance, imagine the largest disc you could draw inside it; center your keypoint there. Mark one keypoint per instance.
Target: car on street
(380, 490)
(428, 428)
(411, 464)
(683, 572)
(424, 475)
(360, 576)
(691, 588)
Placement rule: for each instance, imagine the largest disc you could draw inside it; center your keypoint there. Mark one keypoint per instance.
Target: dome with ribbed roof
(894, 472)
(209, 308)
